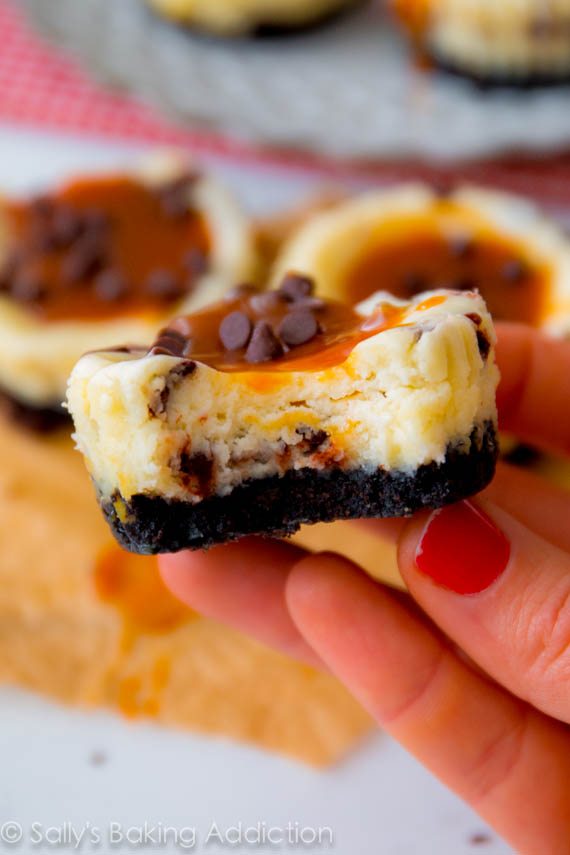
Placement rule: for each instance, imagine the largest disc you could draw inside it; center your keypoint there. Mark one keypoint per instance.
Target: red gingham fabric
(41, 88)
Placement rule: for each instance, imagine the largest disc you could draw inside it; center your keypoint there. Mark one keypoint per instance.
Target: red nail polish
(462, 549)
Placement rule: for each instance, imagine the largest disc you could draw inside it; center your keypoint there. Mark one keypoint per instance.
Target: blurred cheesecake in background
(107, 258)
(520, 42)
(251, 17)
(412, 239)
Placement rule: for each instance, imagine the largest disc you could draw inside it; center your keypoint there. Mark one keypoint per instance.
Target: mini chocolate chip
(414, 283)
(267, 301)
(473, 316)
(263, 345)
(515, 271)
(66, 226)
(196, 262)
(195, 471)
(175, 196)
(462, 246)
(28, 288)
(465, 284)
(158, 405)
(235, 330)
(164, 284)
(84, 259)
(298, 327)
(480, 838)
(314, 304)
(110, 285)
(95, 221)
(484, 344)
(295, 286)
(42, 238)
(170, 343)
(312, 439)
(42, 206)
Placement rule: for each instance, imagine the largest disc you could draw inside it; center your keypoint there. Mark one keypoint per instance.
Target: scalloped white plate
(347, 90)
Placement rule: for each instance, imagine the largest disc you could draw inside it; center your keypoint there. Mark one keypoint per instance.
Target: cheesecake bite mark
(105, 247)
(443, 249)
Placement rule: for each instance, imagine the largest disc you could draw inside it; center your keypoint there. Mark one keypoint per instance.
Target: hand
(476, 681)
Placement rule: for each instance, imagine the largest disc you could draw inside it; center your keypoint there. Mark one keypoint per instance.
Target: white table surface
(68, 771)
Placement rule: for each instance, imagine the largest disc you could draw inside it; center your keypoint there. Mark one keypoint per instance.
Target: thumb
(500, 591)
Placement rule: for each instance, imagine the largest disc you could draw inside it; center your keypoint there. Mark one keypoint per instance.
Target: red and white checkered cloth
(41, 88)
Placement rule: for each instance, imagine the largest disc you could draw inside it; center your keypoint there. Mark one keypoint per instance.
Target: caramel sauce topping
(105, 247)
(418, 254)
(276, 331)
(132, 584)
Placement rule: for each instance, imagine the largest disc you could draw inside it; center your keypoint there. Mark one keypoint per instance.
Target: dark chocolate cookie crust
(279, 506)
(41, 420)
(500, 80)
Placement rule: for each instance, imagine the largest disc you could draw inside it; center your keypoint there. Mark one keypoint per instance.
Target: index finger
(534, 392)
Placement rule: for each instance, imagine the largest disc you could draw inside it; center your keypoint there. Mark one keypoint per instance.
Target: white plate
(378, 801)
(348, 89)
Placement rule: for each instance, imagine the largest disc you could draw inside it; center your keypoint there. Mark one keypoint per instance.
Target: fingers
(243, 585)
(535, 386)
(499, 591)
(488, 747)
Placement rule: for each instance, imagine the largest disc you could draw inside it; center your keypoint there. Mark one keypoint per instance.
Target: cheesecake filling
(215, 403)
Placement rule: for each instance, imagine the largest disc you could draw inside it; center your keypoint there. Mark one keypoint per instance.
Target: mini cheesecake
(269, 410)
(411, 239)
(107, 258)
(250, 17)
(513, 42)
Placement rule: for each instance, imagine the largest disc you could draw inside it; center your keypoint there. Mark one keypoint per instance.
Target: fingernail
(462, 549)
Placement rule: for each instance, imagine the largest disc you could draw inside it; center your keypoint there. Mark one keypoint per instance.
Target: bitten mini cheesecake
(411, 239)
(515, 42)
(107, 258)
(269, 410)
(251, 17)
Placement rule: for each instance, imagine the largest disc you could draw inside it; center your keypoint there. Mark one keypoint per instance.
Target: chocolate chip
(298, 327)
(473, 316)
(181, 325)
(158, 405)
(175, 197)
(263, 345)
(414, 283)
(28, 288)
(10, 268)
(267, 301)
(312, 439)
(196, 262)
(465, 284)
(295, 286)
(95, 221)
(86, 257)
(314, 304)
(235, 330)
(170, 343)
(66, 226)
(164, 284)
(462, 246)
(484, 344)
(41, 238)
(195, 471)
(42, 206)
(110, 285)
(515, 271)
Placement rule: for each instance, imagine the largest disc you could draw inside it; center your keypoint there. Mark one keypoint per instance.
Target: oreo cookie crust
(272, 409)
(278, 506)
